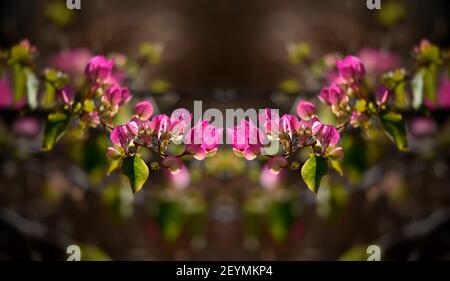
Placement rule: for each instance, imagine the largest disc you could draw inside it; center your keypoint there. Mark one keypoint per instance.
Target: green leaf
(20, 83)
(55, 128)
(336, 165)
(32, 89)
(417, 88)
(313, 170)
(394, 128)
(114, 165)
(19, 54)
(136, 170)
(429, 80)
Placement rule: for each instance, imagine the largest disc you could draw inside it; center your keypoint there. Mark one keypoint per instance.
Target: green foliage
(391, 13)
(57, 12)
(32, 89)
(356, 159)
(151, 52)
(54, 79)
(20, 82)
(159, 86)
(290, 86)
(313, 170)
(279, 219)
(19, 55)
(395, 81)
(170, 219)
(394, 128)
(417, 89)
(55, 127)
(136, 170)
(298, 52)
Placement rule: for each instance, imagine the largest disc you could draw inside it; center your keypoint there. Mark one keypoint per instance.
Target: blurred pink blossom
(27, 126)
(247, 139)
(378, 61)
(350, 67)
(72, 62)
(422, 126)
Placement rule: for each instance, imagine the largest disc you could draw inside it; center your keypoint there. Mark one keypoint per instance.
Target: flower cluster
(347, 97)
(103, 98)
(292, 132)
(157, 133)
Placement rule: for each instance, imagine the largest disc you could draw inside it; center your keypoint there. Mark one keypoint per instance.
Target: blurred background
(228, 54)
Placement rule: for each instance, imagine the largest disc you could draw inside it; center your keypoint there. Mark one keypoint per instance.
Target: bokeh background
(228, 54)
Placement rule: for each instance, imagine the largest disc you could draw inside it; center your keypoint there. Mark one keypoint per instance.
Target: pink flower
(27, 126)
(121, 137)
(269, 120)
(160, 125)
(116, 95)
(326, 135)
(6, 94)
(443, 95)
(67, 94)
(247, 139)
(350, 67)
(422, 126)
(99, 68)
(378, 61)
(92, 119)
(358, 118)
(382, 95)
(333, 95)
(144, 110)
(268, 179)
(71, 61)
(132, 128)
(202, 140)
(181, 179)
(180, 121)
(305, 110)
(289, 124)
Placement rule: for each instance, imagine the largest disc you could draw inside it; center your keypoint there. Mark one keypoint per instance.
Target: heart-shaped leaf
(313, 171)
(136, 170)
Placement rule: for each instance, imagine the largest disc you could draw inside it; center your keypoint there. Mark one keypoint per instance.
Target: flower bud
(99, 67)
(305, 110)
(113, 153)
(381, 95)
(66, 94)
(144, 110)
(337, 153)
(350, 67)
